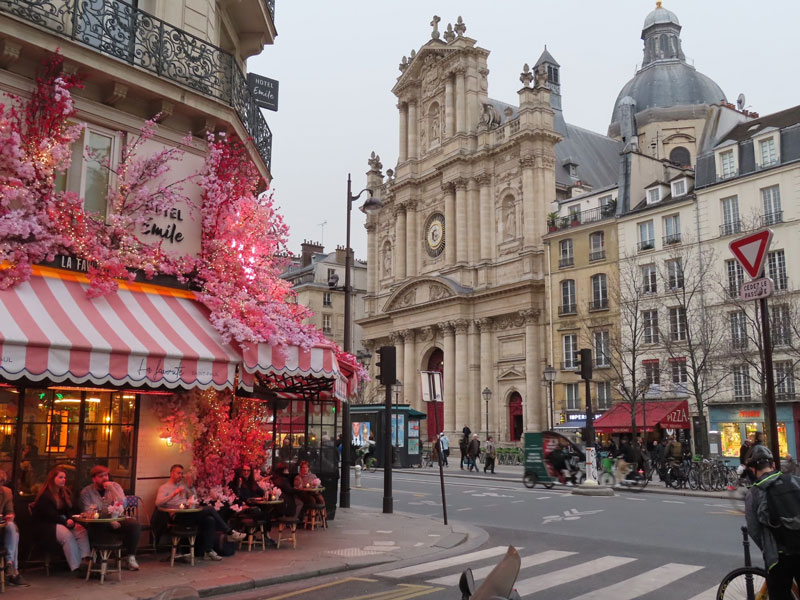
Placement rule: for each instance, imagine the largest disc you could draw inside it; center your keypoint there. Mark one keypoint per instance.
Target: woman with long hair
(244, 484)
(52, 517)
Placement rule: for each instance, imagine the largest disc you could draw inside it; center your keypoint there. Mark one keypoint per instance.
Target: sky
(338, 61)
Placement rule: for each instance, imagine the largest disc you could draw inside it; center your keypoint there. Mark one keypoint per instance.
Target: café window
(306, 430)
(733, 434)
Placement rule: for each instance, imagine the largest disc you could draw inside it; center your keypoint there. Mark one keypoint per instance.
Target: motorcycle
(498, 585)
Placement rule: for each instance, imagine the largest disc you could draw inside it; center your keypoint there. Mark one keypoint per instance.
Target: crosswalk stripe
(641, 584)
(445, 562)
(527, 561)
(709, 594)
(585, 569)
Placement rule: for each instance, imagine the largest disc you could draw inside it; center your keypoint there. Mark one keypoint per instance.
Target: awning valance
(668, 414)
(143, 335)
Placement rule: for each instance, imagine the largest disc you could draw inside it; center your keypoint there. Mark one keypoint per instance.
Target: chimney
(308, 250)
(340, 255)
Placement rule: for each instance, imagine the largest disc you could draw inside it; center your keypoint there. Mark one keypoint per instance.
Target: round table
(180, 511)
(263, 501)
(311, 490)
(87, 520)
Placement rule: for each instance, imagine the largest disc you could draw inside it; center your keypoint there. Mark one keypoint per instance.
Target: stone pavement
(356, 538)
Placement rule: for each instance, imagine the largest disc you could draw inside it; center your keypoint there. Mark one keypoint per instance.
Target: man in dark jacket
(473, 451)
(769, 531)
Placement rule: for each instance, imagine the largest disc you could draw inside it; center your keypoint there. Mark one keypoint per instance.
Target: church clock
(434, 235)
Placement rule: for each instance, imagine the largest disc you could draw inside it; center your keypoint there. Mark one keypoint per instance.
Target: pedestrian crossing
(560, 568)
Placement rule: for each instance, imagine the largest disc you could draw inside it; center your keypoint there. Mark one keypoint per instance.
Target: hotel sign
(264, 91)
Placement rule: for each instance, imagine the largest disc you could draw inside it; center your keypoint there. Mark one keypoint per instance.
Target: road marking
(321, 587)
(490, 505)
(405, 591)
(517, 501)
(570, 515)
(709, 594)
(527, 561)
(445, 562)
(674, 501)
(467, 508)
(544, 497)
(636, 499)
(642, 584)
(572, 573)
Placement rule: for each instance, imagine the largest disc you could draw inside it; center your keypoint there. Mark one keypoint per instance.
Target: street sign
(751, 250)
(756, 289)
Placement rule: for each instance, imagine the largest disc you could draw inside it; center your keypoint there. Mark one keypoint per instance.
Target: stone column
(473, 109)
(532, 412)
(449, 190)
(486, 220)
(461, 220)
(463, 398)
(473, 222)
(403, 153)
(400, 242)
(449, 108)
(487, 362)
(372, 258)
(449, 377)
(412, 239)
(412, 130)
(410, 377)
(474, 393)
(461, 102)
(529, 201)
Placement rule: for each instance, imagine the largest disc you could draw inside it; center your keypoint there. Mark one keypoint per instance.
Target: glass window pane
(97, 175)
(731, 439)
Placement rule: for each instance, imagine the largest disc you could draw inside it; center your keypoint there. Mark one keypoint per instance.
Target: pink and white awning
(143, 335)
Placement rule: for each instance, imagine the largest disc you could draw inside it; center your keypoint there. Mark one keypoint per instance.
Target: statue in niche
(510, 229)
(387, 260)
(435, 127)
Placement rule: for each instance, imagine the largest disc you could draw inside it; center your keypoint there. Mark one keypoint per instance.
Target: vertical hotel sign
(264, 91)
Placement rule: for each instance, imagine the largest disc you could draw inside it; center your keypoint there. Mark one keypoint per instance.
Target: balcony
(566, 261)
(597, 255)
(602, 363)
(567, 309)
(669, 240)
(730, 228)
(772, 218)
(599, 304)
(138, 38)
(645, 245)
(779, 395)
(583, 217)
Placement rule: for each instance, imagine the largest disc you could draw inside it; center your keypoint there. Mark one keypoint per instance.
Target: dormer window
(727, 164)
(678, 188)
(768, 152)
(653, 195)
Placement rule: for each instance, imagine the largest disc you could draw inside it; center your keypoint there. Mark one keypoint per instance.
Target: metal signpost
(431, 392)
(751, 252)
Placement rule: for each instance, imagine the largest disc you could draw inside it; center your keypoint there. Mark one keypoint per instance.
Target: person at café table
(52, 521)
(244, 484)
(304, 480)
(101, 494)
(176, 493)
(11, 533)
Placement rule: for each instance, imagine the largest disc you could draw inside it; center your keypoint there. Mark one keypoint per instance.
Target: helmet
(759, 455)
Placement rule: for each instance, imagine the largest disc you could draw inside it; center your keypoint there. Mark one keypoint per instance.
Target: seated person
(11, 537)
(177, 491)
(53, 523)
(304, 480)
(292, 503)
(244, 485)
(101, 494)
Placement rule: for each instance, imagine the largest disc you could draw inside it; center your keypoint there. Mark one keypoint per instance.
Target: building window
(730, 216)
(781, 325)
(771, 200)
(327, 326)
(653, 195)
(672, 230)
(597, 246)
(741, 382)
(735, 277)
(680, 376)
(728, 164)
(86, 175)
(680, 156)
(331, 273)
(769, 156)
(649, 279)
(565, 256)
(652, 372)
(573, 396)
(650, 326)
(784, 380)
(599, 291)
(739, 338)
(601, 345)
(568, 301)
(603, 395)
(678, 188)
(326, 299)
(647, 240)
(675, 274)
(776, 263)
(570, 347)
(677, 324)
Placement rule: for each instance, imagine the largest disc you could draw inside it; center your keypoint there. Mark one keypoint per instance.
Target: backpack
(783, 502)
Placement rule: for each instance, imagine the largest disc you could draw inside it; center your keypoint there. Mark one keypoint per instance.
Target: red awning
(143, 335)
(669, 415)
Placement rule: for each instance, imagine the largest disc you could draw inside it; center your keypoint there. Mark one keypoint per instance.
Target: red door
(515, 417)
(435, 363)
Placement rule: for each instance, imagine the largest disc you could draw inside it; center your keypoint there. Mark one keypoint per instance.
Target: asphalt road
(649, 546)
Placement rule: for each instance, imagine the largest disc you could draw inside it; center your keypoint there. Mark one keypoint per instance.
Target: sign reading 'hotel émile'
(264, 91)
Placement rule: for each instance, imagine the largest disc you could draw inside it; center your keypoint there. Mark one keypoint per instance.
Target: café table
(181, 530)
(267, 506)
(103, 542)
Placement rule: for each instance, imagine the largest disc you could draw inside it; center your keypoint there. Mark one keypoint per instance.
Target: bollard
(358, 475)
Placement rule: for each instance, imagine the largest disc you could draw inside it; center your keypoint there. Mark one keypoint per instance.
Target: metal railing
(645, 245)
(566, 261)
(568, 309)
(126, 33)
(583, 217)
(597, 255)
(598, 304)
(674, 238)
(772, 218)
(730, 228)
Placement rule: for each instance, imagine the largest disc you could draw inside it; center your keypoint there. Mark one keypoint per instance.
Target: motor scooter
(498, 585)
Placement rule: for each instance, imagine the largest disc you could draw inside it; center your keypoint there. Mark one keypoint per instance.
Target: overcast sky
(338, 61)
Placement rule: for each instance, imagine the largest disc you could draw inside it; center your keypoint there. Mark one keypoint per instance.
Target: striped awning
(143, 335)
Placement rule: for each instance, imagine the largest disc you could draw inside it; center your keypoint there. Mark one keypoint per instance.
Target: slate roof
(778, 120)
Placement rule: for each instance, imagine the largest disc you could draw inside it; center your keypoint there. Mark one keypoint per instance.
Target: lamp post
(371, 204)
(550, 377)
(487, 395)
(398, 385)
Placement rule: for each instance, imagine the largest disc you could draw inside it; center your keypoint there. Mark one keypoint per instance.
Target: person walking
(466, 431)
(463, 443)
(490, 455)
(473, 451)
(445, 446)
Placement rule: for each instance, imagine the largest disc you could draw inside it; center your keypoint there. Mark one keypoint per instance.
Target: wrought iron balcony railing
(566, 261)
(597, 255)
(138, 38)
(772, 218)
(568, 309)
(598, 304)
(673, 238)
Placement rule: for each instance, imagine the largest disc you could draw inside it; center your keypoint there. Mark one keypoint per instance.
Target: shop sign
(264, 91)
(678, 418)
(750, 414)
(581, 416)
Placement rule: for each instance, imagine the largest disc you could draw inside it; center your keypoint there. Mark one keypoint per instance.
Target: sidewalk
(356, 538)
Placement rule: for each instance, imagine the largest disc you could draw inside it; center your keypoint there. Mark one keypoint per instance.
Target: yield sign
(751, 250)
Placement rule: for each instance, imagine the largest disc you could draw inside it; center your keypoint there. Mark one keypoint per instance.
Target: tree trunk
(701, 435)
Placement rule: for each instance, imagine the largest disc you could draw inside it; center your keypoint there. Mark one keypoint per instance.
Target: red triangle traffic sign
(751, 250)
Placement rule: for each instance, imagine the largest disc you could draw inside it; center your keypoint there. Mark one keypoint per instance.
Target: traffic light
(584, 363)
(387, 365)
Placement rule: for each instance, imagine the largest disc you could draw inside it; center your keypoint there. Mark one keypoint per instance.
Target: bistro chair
(289, 523)
(180, 532)
(103, 548)
(316, 515)
(3, 555)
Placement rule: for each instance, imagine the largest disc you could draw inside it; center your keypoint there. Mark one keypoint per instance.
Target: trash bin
(331, 494)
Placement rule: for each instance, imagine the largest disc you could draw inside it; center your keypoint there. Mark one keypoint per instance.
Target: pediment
(421, 291)
(423, 62)
(511, 374)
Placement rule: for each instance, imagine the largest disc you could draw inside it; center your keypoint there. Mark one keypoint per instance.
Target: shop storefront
(654, 419)
(737, 423)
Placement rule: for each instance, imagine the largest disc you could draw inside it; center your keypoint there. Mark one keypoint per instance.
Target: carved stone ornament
(526, 77)
(374, 162)
(490, 117)
(445, 328)
(396, 338)
(425, 334)
(437, 292)
(449, 35)
(407, 299)
(485, 323)
(460, 28)
(530, 315)
(408, 335)
(527, 161)
(403, 65)
(435, 25)
(461, 326)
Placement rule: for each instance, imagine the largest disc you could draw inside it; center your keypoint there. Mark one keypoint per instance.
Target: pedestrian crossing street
(551, 569)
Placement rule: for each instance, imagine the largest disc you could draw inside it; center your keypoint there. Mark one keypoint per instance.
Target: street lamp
(549, 377)
(487, 395)
(371, 204)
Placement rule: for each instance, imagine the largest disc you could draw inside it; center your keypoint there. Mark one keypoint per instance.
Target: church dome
(660, 15)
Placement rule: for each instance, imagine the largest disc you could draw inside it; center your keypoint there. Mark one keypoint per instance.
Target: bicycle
(747, 582)
(367, 463)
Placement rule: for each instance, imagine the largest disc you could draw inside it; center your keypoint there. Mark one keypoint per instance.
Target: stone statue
(490, 117)
(435, 127)
(510, 230)
(449, 35)
(526, 77)
(435, 25)
(387, 260)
